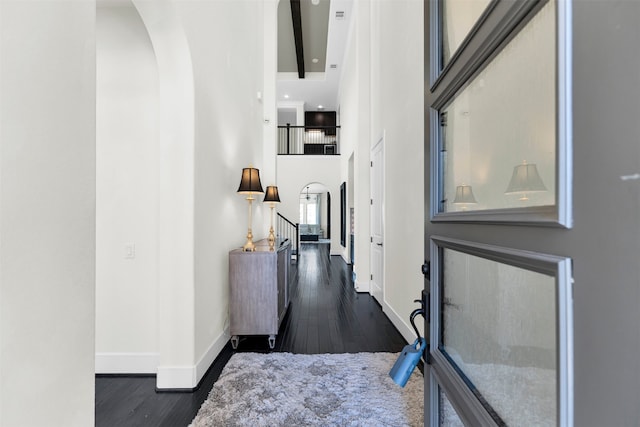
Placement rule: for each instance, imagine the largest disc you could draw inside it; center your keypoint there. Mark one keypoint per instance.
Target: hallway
(326, 315)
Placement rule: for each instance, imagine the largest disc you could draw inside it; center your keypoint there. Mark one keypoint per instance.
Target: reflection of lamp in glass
(464, 196)
(525, 179)
(249, 184)
(272, 197)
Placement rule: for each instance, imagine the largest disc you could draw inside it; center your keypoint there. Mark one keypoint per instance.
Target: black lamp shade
(250, 182)
(272, 194)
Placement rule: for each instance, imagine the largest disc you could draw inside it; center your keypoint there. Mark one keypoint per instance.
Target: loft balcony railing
(310, 140)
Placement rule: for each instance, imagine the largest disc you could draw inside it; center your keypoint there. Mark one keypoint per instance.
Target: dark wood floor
(325, 316)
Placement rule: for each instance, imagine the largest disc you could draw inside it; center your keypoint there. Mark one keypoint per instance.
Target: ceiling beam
(296, 17)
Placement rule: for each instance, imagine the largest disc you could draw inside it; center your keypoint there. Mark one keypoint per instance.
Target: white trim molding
(210, 355)
(361, 286)
(405, 330)
(188, 377)
(176, 377)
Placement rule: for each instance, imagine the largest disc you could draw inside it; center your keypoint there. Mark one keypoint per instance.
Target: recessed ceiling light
(286, 96)
(315, 2)
(314, 60)
(320, 107)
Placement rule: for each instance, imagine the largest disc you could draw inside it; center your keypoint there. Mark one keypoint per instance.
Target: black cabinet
(314, 119)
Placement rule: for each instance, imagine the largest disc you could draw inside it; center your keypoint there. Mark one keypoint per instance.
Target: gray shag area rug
(284, 389)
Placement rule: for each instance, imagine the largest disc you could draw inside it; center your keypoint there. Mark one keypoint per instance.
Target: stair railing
(286, 229)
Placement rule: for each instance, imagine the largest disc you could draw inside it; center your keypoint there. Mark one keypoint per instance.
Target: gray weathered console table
(259, 290)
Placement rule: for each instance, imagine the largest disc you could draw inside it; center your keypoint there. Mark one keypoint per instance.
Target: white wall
(268, 70)
(381, 94)
(175, 196)
(47, 215)
(287, 116)
(127, 152)
(296, 106)
(354, 99)
(295, 172)
(209, 123)
(399, 97)
(228, 136)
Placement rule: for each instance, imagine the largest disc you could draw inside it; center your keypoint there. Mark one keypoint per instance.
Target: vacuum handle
(414, 313)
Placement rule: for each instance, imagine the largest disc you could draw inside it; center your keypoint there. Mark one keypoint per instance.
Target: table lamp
(272, 197)
(249, 184)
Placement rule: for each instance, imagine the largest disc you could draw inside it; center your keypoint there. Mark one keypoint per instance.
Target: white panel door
(377, 221)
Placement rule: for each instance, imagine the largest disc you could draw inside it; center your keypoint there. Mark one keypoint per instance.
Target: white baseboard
(210, 355)
(126, 363)
(188, 377)
(401, 324)
(176, 377)
(362, 286)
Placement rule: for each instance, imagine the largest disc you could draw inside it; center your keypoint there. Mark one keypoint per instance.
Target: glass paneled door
(498, 150)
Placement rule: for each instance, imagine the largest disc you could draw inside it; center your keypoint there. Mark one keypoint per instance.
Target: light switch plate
(129, 251)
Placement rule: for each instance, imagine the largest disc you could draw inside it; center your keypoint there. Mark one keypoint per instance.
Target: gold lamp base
(272, 236)
(249, 246)
(271, 239)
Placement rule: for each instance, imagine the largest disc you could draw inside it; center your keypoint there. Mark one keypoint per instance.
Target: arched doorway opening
(315, 213)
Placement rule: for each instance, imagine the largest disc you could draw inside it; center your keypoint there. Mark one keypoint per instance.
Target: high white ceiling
(314, 16)
(319, 87)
